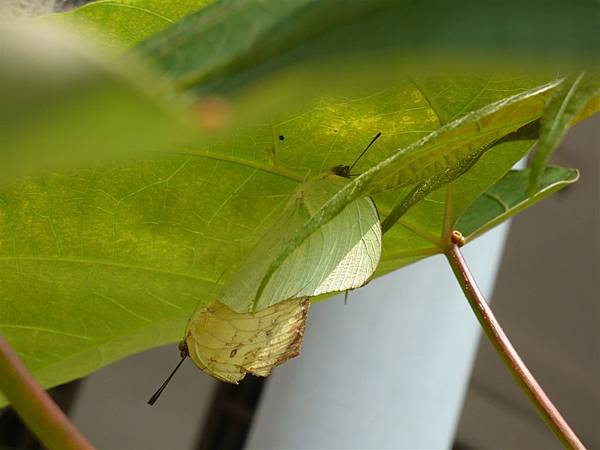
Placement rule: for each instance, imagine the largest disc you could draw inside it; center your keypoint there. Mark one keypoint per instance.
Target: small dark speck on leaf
(281, 137)
(233, 353)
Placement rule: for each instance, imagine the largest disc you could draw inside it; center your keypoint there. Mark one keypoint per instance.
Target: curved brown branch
(503, 346)
(35, 406)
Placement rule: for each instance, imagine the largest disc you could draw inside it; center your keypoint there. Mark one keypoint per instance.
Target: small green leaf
(510, 196)
(424, 227)
(123, 23)
(450, 174)
(567, 102)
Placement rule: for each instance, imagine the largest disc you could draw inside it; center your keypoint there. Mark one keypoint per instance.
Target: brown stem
(35, 406)
(502, 344)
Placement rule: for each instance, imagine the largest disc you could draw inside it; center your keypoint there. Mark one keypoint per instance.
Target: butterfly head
(341, 170)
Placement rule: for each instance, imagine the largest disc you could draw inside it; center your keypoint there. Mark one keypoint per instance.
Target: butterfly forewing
(227, 345)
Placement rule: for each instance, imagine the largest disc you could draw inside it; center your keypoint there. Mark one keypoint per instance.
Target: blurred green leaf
(121, 24)
(63, 105)
(256, 38)
(566, 104)
(276, 56)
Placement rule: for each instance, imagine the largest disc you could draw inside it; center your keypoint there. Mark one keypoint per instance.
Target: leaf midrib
(285, 173)
(102, 262)
(268, 168)
(114, 4)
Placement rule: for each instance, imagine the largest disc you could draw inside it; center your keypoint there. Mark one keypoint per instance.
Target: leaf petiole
(505, 349)
(35, 406)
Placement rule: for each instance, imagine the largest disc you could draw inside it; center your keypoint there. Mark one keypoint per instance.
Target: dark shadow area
(230, 415)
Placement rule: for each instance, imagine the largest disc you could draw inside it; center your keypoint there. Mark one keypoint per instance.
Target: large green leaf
(122, 23)
(62, 104)
(251, 32)
(99, 263)
(103, 262)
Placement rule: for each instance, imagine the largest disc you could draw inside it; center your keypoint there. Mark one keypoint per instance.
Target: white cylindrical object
(388, 370)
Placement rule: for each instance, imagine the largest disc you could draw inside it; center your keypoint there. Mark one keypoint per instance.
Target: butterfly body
(341, 170)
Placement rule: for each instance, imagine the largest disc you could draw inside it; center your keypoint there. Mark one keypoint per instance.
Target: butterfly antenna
(164, 385)
(365, 150)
